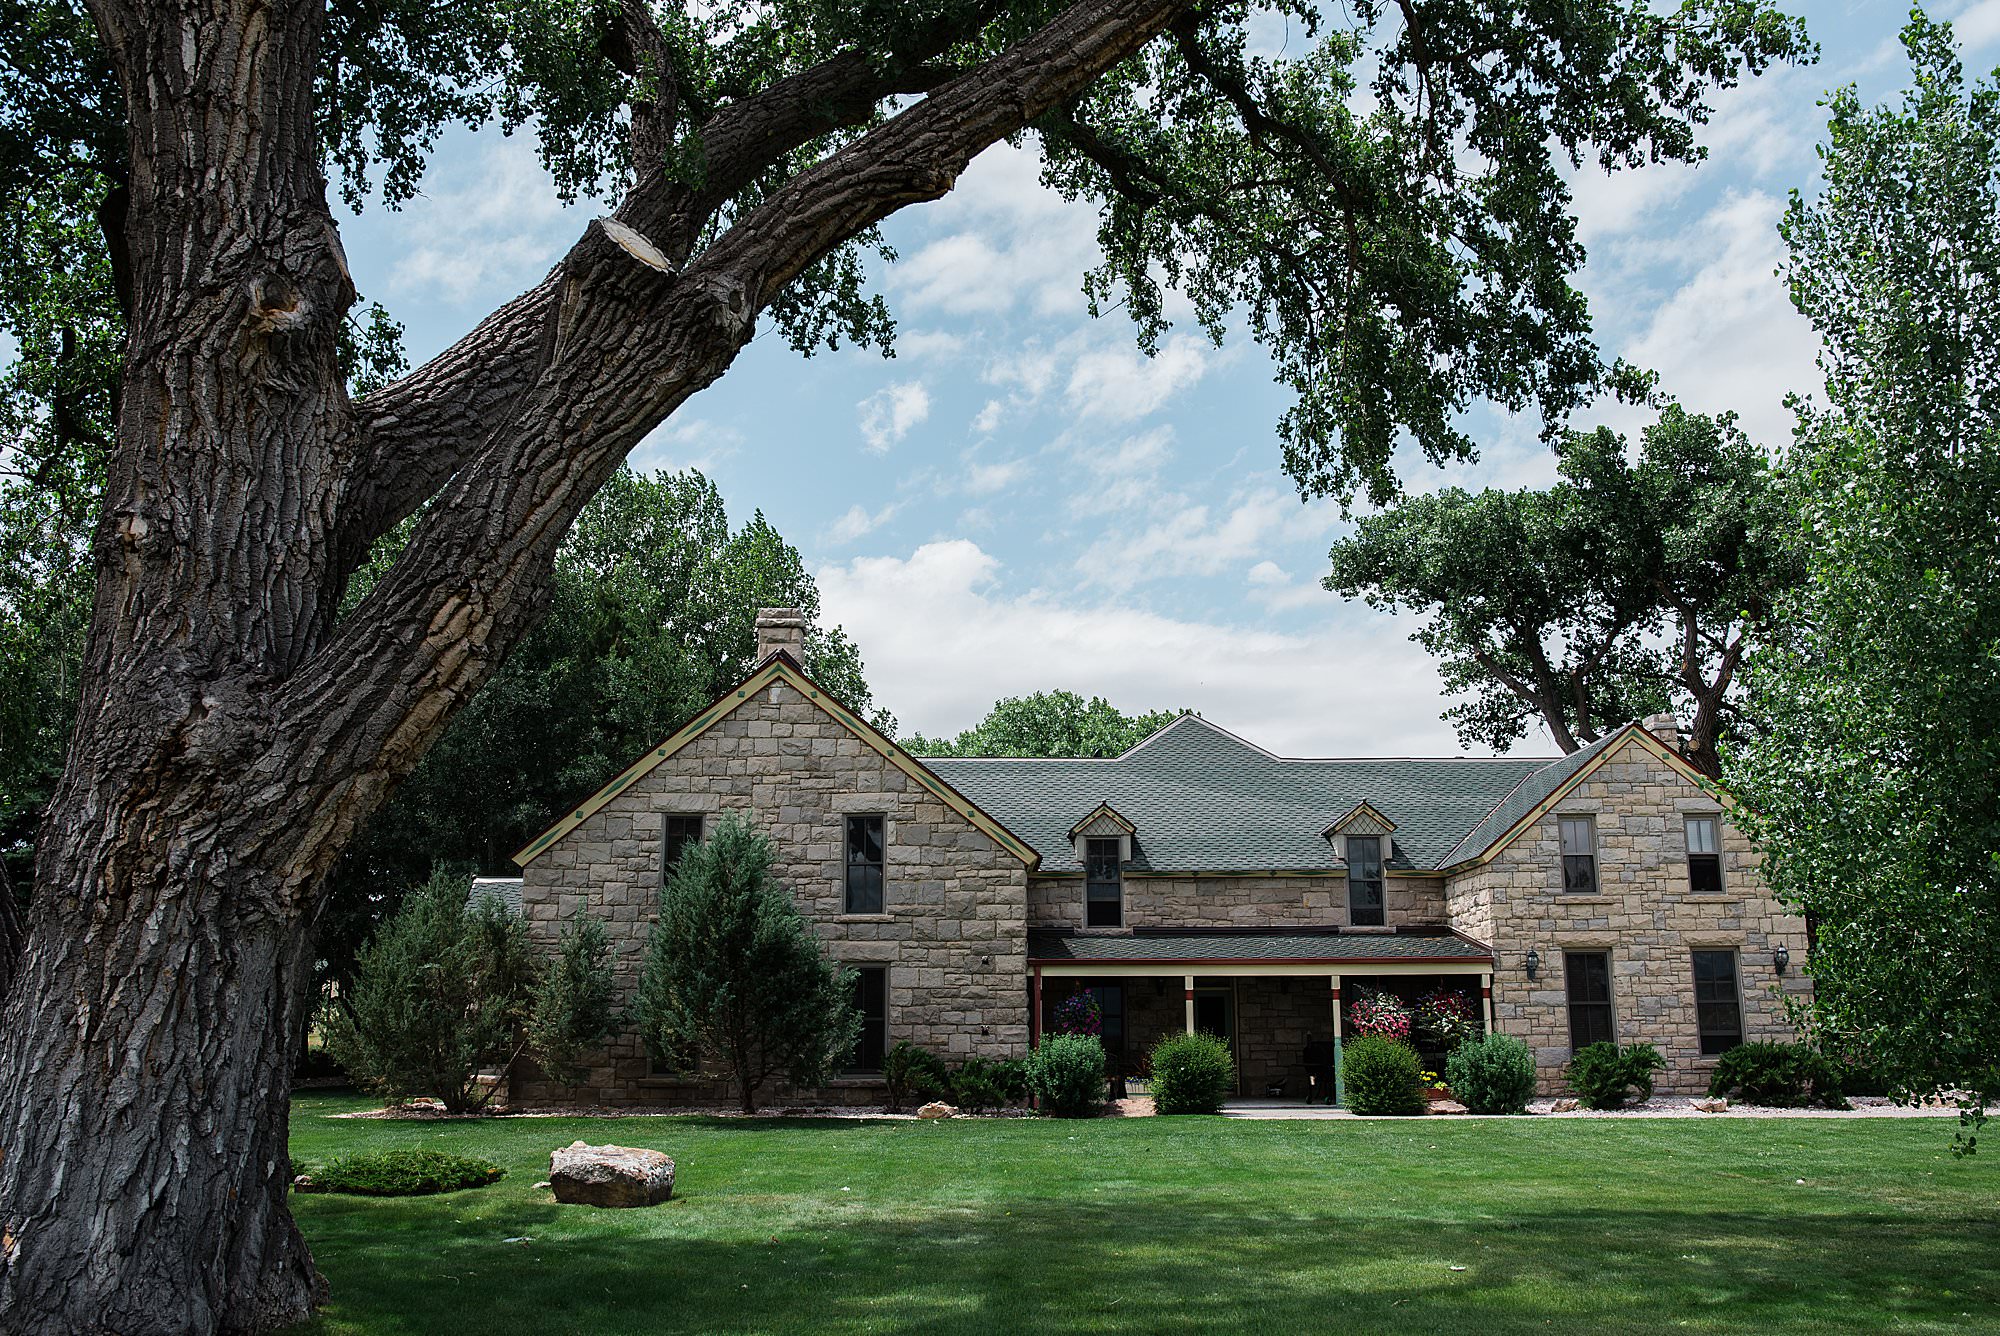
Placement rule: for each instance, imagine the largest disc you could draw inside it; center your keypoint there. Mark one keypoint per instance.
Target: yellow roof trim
(781, 669)
(1632, 733)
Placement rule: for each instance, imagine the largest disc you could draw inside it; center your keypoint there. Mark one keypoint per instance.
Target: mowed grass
(1177, 1225)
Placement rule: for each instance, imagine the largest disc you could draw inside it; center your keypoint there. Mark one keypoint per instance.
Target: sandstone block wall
(1235, 902)
(1645, 916)
(953, 935)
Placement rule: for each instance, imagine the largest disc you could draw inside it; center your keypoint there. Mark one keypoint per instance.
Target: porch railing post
(1339, 1075)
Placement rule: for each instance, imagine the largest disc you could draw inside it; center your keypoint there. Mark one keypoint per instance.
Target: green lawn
(1178, 1225)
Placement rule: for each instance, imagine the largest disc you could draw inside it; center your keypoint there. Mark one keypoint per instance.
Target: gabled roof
(1209, 801)
(1539, 792)
(1364, 808)
(1104, 811)
(781, 667)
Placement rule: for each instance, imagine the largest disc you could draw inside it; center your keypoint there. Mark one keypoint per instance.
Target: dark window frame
(674, 844)
(1360, 914)
(1722, 994)
(1103, 867)
(1592, 1019)
(857, 895)
(1704, 867)
(1579, 870)
(871, 1045)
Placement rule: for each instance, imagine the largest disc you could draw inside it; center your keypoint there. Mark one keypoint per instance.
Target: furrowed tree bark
(232, 737)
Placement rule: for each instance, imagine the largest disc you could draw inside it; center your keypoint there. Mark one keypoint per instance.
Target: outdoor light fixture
(1534, 964)
(1781, 957)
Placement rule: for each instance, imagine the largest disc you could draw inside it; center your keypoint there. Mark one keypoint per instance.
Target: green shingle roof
(1533, 789)
(1051, 947)
(1204, 800)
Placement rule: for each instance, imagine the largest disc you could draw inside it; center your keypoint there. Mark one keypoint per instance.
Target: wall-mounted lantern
(1534, 964)
(1781, 958)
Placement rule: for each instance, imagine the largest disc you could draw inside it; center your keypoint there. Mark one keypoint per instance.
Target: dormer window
(1103, 884)
(1365, 901)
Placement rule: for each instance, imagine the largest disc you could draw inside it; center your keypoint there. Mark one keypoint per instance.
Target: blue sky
(1020, 500)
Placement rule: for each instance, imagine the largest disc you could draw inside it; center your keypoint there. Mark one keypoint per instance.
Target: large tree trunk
(232, 738)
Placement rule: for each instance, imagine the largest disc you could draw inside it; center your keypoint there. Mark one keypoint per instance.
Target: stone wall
(1646, 917)
(1159, 901)
(953, 934)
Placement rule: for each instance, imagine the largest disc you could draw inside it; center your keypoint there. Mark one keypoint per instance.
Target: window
(1704, 856)
(1588, 977)
(1103, 885)
(871, 999)
(864, 864)
(682, 831)
(1718, 1011)
(1579, 852)
(1364, 881)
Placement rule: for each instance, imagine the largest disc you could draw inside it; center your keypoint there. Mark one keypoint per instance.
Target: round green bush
(979, 1084)
(399, 1173)
(1192, 1073)
(914, 1075)
(1066, 1072)
(1495, 1074)
(1605, 1076)
(1382, 1076)
(1781, 1076)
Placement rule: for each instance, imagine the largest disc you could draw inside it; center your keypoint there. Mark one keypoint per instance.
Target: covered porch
(1278, 998)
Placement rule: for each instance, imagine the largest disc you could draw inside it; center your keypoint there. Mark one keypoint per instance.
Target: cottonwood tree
(1872, 777)
(1049, 723)
(1400, 253)
(1637, 580)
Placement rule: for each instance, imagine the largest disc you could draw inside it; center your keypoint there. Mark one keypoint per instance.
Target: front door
(1215, 1013)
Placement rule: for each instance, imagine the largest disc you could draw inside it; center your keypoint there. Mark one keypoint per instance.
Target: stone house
(1195, 882)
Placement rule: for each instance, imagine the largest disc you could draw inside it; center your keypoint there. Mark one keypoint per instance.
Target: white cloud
(485, 220)
(929, 343)
(943, 640)
(686, 443)
(888, 414)
(1728, 338)
(1196, 539)
(985, 479)
(988, 417)
(1122, 384)
(1002, 239)
(858, 523)
(1125, 472)
(1978, 24)
(1268, 573)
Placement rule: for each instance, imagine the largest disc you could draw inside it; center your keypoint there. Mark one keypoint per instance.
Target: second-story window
(1103, 884)
(1704, 855)
(1579, 854)
(864, 864)
(683, 831)
(1365, 906)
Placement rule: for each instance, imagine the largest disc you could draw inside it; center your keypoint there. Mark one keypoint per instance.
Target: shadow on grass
(1142, 1265)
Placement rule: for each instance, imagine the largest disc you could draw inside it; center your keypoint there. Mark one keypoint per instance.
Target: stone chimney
(1664, 727)
(781, 629)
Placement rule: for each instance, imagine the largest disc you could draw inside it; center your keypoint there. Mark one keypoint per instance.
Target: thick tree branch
(422, 429)
(622, 346)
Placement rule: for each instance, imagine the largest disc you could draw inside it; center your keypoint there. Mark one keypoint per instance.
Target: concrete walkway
(1664, 1106)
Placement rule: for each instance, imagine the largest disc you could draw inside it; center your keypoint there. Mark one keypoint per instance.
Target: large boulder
(610, 1175)
(937, 1109)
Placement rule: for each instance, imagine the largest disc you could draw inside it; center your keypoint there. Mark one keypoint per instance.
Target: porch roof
(1050, 947)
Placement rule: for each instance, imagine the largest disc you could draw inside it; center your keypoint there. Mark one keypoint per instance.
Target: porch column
(1187, 991)
(1486, 999)
(1339, 1075)
(1035, 1012)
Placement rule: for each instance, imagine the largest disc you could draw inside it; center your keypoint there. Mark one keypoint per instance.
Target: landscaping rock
(937, 1109)
(1712, 1105)
(1563, 1106)
(610, 1175)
